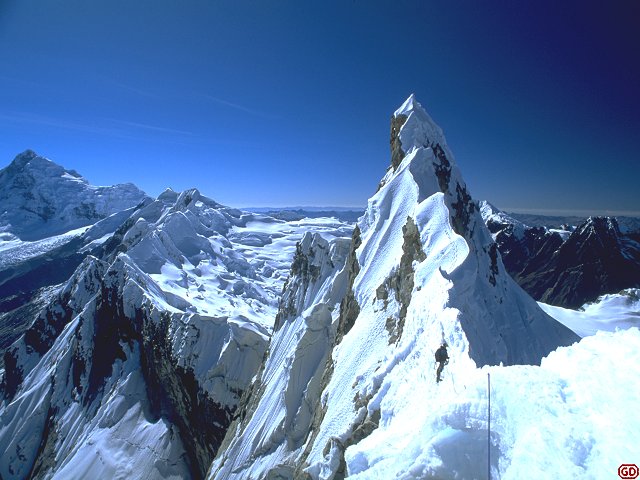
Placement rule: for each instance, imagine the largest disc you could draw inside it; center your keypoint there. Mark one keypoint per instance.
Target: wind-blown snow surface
(423, 268)
(134, 368)
(568, 418)
(611, 312)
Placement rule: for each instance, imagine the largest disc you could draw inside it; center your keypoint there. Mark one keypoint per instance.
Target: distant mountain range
(298, 213)
(571, 265)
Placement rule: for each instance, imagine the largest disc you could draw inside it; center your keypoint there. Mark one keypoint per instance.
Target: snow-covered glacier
(41, 199)
(137, 363)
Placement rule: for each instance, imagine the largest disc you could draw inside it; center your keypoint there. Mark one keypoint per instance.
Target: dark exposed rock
(401, 282)
(51, 320)
(595, 259)
(174, 393)
(305, 270)
(22, 285)
(493, 255)
(13, 376)
(463, 207)
(442, 168)
(104, 334)
(397, 154)
(46, 450)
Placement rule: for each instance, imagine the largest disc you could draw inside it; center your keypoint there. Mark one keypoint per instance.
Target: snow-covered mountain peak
(29, 163)
(422, 269)
(24, 158)
(408, 105)
(426, 194)
(169, 195)
(416, 127)
(498, 221)
(40, 198)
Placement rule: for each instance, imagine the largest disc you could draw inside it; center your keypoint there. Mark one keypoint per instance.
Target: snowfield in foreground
(572, 417)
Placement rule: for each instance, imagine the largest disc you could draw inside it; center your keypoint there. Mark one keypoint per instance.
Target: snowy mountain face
(596, 259)
(50, 219)
(349, 369)
(521, 246)
(40, 199)
(567, 267)
(135, 365)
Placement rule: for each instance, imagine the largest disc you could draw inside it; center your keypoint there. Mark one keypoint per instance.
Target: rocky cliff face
(594, 260)
(568, 267)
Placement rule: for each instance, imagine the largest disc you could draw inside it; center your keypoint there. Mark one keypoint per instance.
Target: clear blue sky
(288, 102)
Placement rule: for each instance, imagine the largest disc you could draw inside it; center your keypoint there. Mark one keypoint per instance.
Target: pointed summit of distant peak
(601, 226)
(409, 105)
(412, 127)
(25, 157)
(28, 153)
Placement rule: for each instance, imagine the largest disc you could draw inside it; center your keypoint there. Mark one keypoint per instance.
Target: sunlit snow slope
(50, 220)
(422, 268)
(135, 366)
(611, 312)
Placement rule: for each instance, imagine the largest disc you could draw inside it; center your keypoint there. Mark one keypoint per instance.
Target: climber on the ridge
(442, 357)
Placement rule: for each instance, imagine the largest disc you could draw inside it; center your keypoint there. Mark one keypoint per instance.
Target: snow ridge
(422, 269)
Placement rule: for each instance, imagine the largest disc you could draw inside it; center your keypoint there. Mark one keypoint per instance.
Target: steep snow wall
(276, 414)
(422, 269)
